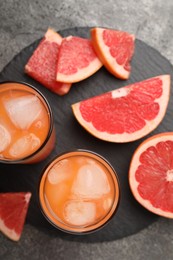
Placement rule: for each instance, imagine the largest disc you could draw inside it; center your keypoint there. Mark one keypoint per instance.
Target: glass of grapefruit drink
(79, 192)
(27, 132)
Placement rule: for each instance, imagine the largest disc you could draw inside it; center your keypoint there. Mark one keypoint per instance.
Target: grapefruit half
(43, 62)
(77, 60)
(13, 210)
(151, 174)
(115, 49)
(125, 114)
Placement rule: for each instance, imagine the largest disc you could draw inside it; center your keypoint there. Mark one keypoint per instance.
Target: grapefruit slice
(151, 174)
(115, 49)
(43, 62)
(13, 210)
(125, 114)
(77, 60)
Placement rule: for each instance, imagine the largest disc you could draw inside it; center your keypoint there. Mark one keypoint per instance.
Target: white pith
(53, 36)
(169, 176)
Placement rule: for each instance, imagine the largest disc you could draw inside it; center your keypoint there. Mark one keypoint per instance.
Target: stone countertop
(22, 22)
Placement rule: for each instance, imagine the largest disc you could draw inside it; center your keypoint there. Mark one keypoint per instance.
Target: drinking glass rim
(115, 179)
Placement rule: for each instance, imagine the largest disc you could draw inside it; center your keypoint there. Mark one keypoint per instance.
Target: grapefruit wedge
(115, 49)
(125, 114)
(151, 174)
(77, 60)
(43, 62)
(13, 210)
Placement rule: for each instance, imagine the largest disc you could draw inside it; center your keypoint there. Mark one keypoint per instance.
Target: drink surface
(79, 192)
(24, 121)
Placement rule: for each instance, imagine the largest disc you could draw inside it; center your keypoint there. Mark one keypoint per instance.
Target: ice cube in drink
(5, 138)
(60, 172)
(22, 145)
(79, 213)
(91, 182)
(23, 110)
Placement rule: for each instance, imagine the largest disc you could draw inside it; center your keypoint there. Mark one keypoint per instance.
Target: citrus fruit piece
(115, 49)
(151, 174)
(77, 60)
(13, 210)
(125, 114)
(43, 62)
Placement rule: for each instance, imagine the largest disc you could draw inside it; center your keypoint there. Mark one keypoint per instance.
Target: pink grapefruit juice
(26, 124)
(79, 192)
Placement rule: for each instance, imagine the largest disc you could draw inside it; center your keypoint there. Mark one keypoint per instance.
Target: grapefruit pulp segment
(42, 64)
(77, 60)
(151, 174)
(125, 114)
(13, 211)
(115, 49)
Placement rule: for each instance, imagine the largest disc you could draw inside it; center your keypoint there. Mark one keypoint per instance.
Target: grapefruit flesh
(43, 62)
(77, 60)
(125, 114)
(115, 49)
(151, 174)
(13, 210)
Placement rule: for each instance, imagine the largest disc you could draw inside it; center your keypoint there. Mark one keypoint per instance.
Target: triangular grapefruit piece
(77, 60)
(125, 114)
(43, 62)
(13, 210)
(151, 174)
(115, 49)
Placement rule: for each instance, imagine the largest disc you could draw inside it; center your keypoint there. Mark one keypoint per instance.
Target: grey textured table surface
(21, 23)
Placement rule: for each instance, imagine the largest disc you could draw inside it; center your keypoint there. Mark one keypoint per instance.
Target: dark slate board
(131, 217)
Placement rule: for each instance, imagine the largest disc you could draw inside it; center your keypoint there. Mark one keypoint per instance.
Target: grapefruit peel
(123, 50)
(167, 175)
(123, 92)
(17, 213)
